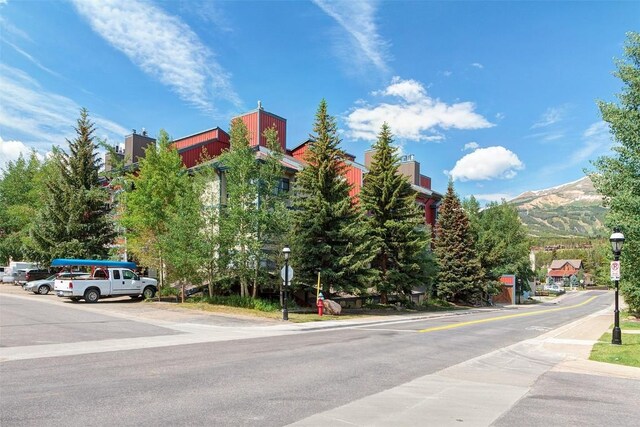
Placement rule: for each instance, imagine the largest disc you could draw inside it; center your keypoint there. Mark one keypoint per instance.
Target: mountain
(568, 210)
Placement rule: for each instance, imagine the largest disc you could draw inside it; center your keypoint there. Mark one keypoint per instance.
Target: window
(128, 274)
(116, 274)
(283, 185)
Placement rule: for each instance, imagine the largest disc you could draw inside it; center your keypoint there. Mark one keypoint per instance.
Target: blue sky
(501, 96)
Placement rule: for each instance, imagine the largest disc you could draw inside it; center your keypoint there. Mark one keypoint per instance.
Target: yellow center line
(510, 316)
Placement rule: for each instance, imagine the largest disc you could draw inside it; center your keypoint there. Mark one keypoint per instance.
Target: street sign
(283, 271)
(615, 270)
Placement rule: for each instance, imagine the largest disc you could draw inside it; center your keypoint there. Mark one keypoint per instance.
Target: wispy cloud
(414, 116)
(162, 46)
(358, 19)
(493, 197)
(8, 28)
(595, 141)
(485, 164)
(32, 59)
(477, 65)
(470, 146)
(41, 118)
(551, 116)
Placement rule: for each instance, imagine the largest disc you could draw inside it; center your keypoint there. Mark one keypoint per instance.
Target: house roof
(559, 263)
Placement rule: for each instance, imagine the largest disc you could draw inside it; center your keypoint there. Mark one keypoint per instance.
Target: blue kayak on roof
(71, 262)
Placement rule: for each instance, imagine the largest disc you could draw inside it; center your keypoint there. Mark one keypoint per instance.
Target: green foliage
(460, 275)
(617, 176)
(501, 240)
(149, 204)
(75, 220)
(327, 233)
(395, 225)
(255, 213)
(184, 247)
(240, 301)
(21, 188)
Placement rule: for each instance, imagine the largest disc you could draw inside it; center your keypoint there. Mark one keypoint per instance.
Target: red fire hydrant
(320, 305)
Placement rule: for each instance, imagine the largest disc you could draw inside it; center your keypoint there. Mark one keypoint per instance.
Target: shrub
(242, 302)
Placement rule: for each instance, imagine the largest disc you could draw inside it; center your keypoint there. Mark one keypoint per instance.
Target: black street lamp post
(285, 313)
(616, 239)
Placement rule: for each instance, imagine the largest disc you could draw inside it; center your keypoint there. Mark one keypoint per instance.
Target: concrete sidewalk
(477, 392)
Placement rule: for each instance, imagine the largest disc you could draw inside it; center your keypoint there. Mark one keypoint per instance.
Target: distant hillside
(568, 210)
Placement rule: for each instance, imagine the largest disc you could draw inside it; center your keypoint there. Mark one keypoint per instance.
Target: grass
(628, 322)
(626, 354)
(310, 316)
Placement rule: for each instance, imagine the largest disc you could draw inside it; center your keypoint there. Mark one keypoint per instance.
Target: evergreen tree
(395, 224)
(75, 220)
(501, 240)
(327, 234)
(160, 180)
(460, 275)
(618, 175)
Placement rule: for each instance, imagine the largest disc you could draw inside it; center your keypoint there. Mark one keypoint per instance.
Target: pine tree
(460, 275)
(395, 224)
(327, 233)
(75, 220)
(618, 175)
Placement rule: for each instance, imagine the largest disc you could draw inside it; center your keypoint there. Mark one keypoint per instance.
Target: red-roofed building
(562, 269)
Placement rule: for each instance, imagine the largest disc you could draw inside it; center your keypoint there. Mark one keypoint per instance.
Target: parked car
(44, 286)
(555, 288)
(37, 275)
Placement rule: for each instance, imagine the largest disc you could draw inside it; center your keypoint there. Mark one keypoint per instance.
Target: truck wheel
(91, 295)
(148, 292)
(43, 290)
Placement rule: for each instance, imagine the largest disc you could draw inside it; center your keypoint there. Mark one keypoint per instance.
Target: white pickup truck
(105, 281)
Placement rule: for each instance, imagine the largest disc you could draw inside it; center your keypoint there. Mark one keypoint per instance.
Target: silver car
(44, 286)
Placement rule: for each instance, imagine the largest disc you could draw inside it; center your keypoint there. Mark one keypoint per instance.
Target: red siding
(425, 182)
(192, 156)
(201, 137)
(251, 121)
(354, 177)
(299, 152)
(267, 121)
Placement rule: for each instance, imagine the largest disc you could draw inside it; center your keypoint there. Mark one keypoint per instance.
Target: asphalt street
(185, 370)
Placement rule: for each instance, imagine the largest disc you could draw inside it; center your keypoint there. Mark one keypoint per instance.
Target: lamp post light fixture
(285, 313)
(616, 239)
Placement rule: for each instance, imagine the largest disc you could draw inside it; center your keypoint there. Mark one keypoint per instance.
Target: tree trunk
(255, 282)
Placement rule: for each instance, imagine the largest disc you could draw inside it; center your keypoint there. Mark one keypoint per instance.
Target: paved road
(196, 373)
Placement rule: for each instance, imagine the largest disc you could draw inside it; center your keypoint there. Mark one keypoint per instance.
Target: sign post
(287, 274)
(615, 270)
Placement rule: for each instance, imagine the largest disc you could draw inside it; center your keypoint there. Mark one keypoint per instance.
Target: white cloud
(500, 116)
(487, 163)
(11, 150)
(415, 116)
(596, 140)
(357, 18)
(162, 46)
(551, 116)
(447, 73)
(493, 197)
(40, 118)
(32, 59)
(477, 65)
(470, 146)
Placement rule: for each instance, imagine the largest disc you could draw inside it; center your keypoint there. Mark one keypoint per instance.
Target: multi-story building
(209, 144)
